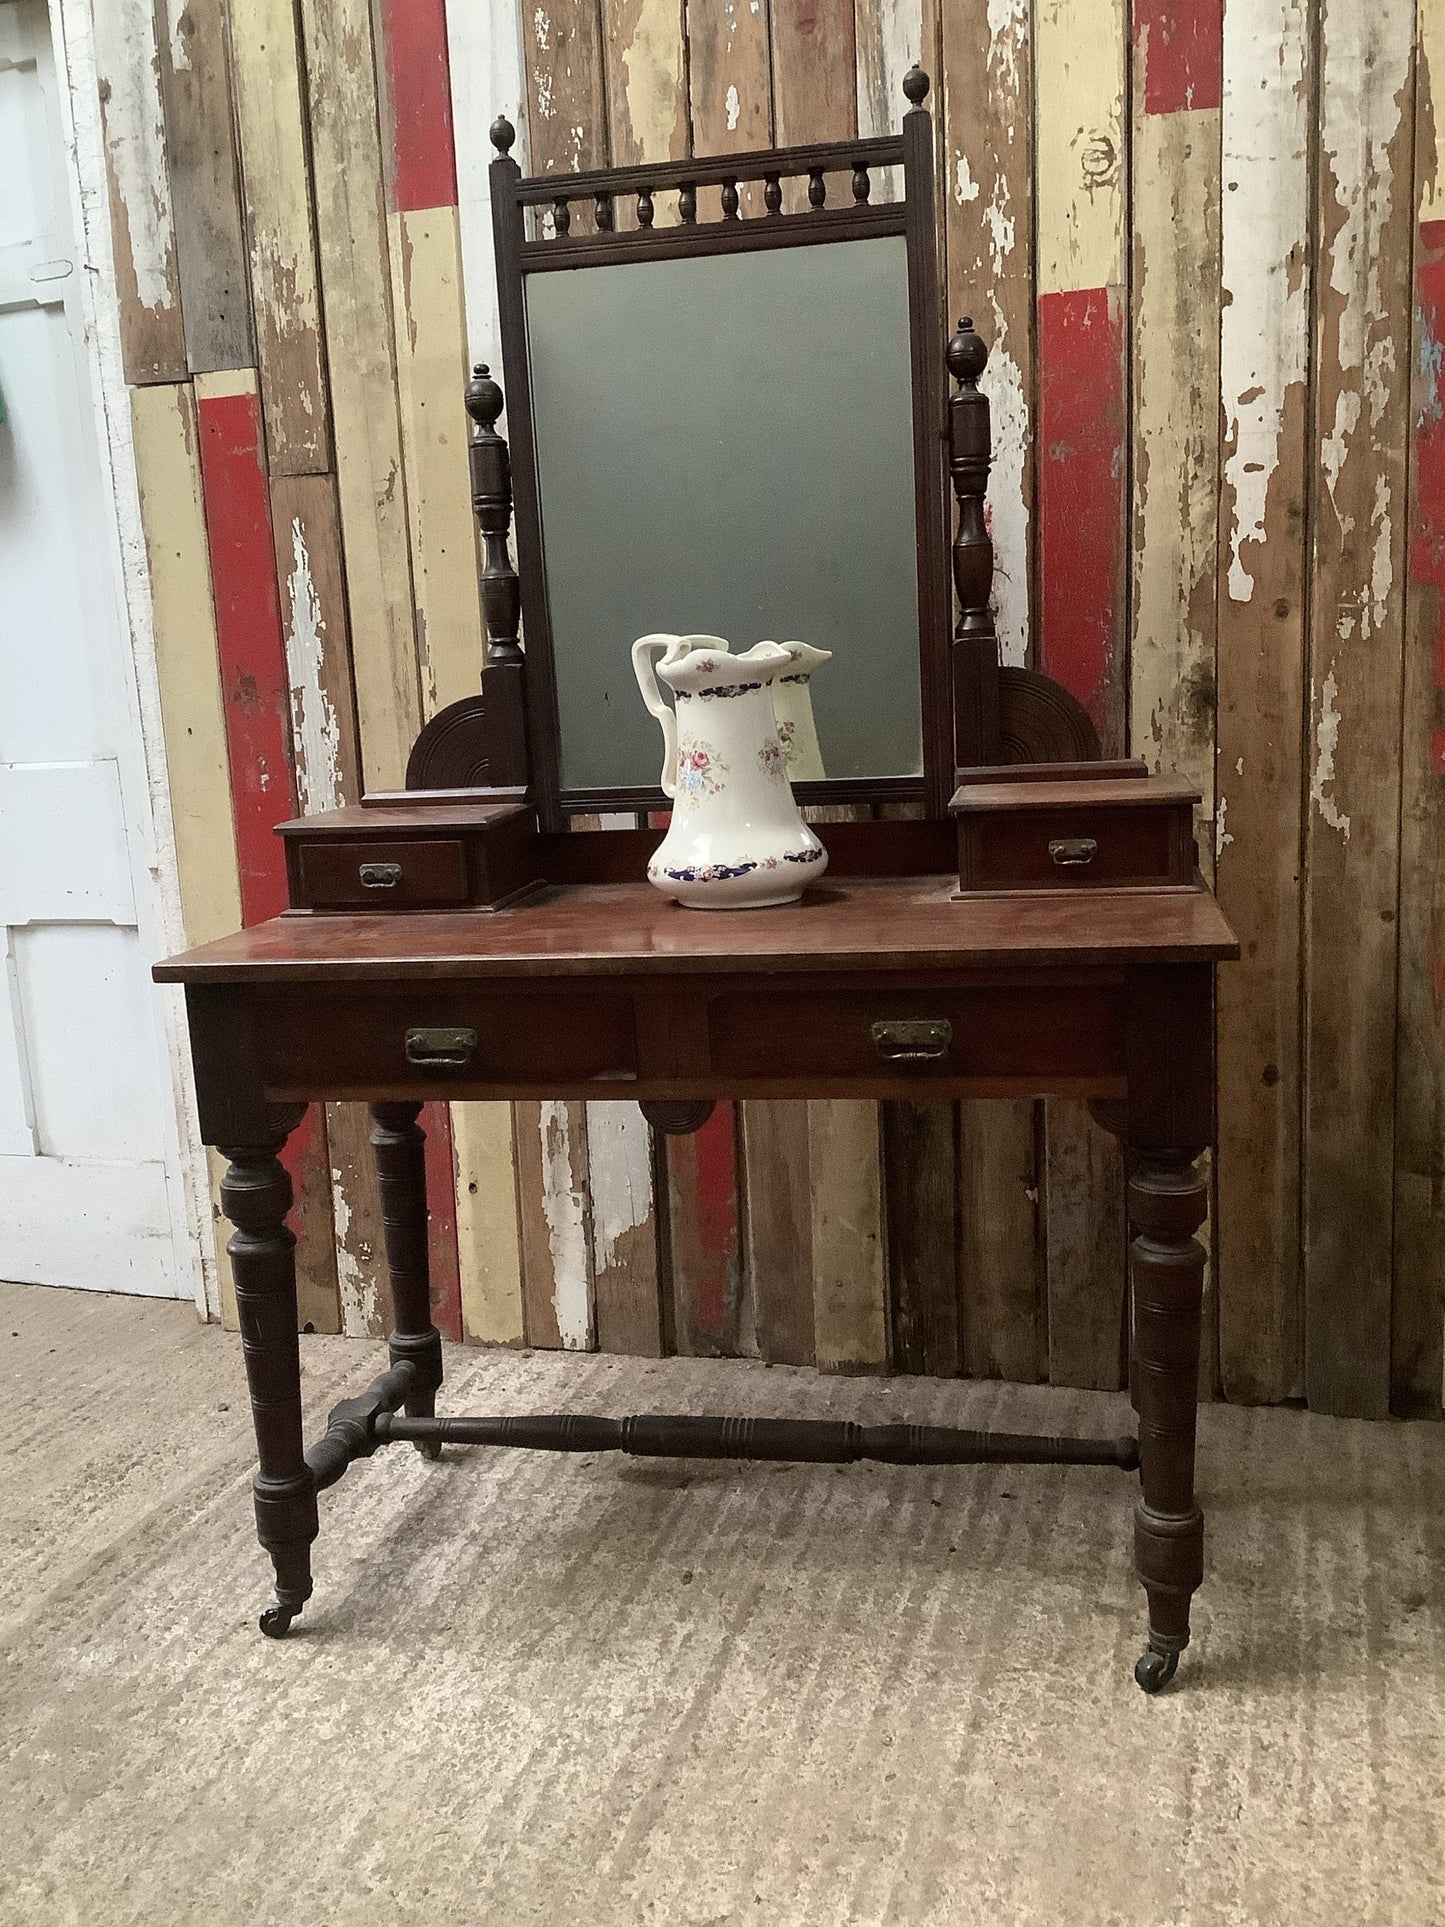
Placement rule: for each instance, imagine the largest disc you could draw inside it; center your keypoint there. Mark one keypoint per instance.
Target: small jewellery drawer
(414, 854)
(391, 874)
(513, 1039)
(954, 1034)
(1070, 836)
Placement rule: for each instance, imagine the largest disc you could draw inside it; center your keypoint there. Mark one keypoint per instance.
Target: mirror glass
(725, 447)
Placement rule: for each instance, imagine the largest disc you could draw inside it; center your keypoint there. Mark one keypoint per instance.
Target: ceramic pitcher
(736, 840)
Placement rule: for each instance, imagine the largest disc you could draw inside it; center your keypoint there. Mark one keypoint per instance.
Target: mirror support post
(504, 702)
(975, 641)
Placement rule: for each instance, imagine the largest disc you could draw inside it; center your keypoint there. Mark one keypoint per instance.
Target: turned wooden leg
(400, 1146)
(1168, 1202)
(256, 1195)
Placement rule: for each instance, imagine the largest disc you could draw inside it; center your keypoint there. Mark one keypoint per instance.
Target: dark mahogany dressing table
(1004, 915)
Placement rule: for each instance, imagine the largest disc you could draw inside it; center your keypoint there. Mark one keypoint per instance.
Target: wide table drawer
(984, 1033)
(513, 1039)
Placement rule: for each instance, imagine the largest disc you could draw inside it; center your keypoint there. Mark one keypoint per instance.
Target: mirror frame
(519, 255)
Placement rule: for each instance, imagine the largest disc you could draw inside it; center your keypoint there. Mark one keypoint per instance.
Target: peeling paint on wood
(624, 1231)
(271, 115)
(553, 1209)
(127, 60)
(646, 81)
(566, 107)
(729, 82)
(205, 183)
(988, 213)
(1263, 376)
(1176, 419)
(1418, 1297)
(318, 655)
(1366, 217)
(354, 262)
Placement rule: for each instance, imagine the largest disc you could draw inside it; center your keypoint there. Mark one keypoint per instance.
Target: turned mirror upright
(728, 414)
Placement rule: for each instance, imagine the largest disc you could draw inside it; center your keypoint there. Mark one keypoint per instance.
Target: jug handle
(647, 682)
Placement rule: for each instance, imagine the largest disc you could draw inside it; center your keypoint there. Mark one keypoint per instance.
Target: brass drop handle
(447, 1049)
(1073, 852)
(380, 876)
(912, 1040)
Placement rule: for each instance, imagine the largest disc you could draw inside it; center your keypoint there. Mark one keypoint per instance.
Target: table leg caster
(1154, 1670)
(429, 1448)
(275, 1622)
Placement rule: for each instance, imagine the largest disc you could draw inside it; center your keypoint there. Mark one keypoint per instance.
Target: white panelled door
(86, 1111)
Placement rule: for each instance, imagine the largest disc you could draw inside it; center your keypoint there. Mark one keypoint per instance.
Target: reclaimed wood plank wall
(1206, 240)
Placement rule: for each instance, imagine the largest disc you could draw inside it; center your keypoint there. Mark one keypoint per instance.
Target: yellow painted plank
(1176, 441)
(168, 470)
(431, 366)
(271, 116)
(1078, 55)
(354, 259)
(163, 424)
(488, 1237)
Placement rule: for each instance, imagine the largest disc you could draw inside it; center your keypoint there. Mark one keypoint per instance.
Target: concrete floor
(534, 1690)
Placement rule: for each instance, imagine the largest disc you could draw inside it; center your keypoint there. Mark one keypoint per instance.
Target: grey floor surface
(541, 1690)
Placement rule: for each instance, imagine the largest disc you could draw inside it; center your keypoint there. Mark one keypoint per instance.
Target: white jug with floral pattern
(736, 840)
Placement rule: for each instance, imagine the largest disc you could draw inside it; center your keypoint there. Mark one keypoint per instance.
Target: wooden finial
(915, 86)
(966, 354)
(484, 398)
(503, 134)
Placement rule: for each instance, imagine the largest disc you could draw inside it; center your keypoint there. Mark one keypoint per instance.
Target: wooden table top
(896, 923)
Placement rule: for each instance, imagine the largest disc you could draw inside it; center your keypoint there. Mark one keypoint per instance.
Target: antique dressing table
(735, 421)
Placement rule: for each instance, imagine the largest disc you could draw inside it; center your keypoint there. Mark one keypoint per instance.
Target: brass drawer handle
(380, 876)
(913, 1040)
(1073, 852)
(446, 1049)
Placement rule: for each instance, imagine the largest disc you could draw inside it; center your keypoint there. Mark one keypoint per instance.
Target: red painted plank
(256, 699)
(703, 1215)
(1081, 415)
(423, 170)
(255, 685)
(1184, 53)
(1427, 532)
(441, 1193)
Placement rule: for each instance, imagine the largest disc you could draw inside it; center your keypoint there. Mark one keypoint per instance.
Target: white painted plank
(17, 1123)
(484, 48)
(94, 1227)
(564, 1206)
(63, 854)
(87, 1020)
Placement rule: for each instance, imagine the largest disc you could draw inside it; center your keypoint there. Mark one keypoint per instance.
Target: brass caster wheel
(1154, 1670)
(275, 1622)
